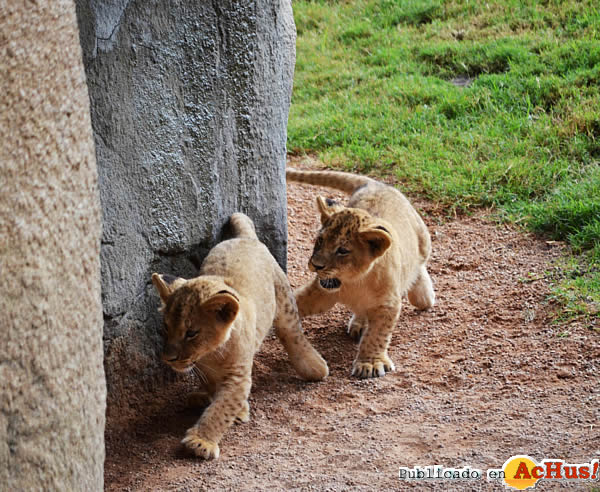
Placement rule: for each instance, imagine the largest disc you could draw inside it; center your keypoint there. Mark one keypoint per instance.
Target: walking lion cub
(216, 322)
(367, 256)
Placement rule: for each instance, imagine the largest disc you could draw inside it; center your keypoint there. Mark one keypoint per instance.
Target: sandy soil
(482, 376)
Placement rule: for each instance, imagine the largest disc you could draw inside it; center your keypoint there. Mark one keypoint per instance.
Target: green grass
(373, 92)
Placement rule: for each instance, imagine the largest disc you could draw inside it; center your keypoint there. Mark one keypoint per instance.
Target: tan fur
(216, 322)
(377, 247)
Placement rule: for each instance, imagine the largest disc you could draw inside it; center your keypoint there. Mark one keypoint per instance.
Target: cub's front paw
(198, 399)
(199, 446)
(308, 363)
(372, 368)
(357, 327)
(243, 415)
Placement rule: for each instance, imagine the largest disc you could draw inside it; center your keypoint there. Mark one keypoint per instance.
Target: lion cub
(216, 322)
(367, 256)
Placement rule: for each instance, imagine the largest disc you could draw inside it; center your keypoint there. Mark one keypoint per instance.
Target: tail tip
(242, 225)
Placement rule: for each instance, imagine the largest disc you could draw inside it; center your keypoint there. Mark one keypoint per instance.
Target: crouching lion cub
(216, 322)
(367, 256)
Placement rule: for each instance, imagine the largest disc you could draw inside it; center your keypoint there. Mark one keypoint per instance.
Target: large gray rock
(52, 389)
(189, 104)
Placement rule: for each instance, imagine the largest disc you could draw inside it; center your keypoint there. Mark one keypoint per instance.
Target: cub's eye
(319, 242)
(342, 251)
(191, 334)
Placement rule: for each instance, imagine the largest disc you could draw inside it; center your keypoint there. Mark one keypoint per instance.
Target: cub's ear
(324, 208)
(378, 240)
(166, 285)
(225, 306)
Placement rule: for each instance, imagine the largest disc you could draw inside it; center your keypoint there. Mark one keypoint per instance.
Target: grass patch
(374, 92)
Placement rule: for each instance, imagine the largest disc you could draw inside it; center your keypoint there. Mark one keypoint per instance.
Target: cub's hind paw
(244, 414)
(201, 447)
(357, 327)
(372, 368)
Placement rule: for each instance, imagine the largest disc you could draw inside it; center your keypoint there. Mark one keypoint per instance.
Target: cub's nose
(169, 357)
(169, 354)
(316, 266)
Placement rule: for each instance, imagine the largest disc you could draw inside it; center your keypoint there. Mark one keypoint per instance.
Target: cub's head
(198, 317)
(349, 241)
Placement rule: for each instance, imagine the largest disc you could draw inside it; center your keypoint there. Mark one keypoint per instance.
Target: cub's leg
(204, 396)
(421, 294)
(307, 362)
(230, 401)
(201, 399)
(311, 299)
(357, 326)
(372, 359)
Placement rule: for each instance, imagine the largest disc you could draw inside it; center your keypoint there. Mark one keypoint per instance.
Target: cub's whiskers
(198, 372)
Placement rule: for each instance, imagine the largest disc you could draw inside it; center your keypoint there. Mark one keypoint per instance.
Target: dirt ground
(482, 376)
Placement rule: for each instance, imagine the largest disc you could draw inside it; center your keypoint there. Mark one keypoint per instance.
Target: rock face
(189, 104)
(52, 388)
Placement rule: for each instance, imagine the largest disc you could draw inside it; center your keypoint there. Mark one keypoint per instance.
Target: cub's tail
(333, 179)
(242, 226)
